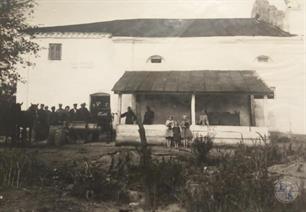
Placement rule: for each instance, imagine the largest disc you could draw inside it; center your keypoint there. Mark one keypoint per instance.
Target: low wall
(223, 135)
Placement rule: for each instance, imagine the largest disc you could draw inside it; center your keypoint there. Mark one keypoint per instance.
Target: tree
(15, 42)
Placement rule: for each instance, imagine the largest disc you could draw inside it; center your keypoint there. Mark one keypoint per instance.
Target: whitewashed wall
(84, 69)
(285, 70)
(92, 65)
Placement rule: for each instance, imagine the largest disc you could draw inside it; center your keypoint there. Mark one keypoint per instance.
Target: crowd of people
(58, 116)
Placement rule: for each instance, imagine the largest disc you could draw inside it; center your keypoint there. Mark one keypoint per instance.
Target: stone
(69, 187)
(105, 161)
(135, 196)
(134, 158)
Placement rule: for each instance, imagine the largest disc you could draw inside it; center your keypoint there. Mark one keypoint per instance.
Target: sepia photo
(151, 105)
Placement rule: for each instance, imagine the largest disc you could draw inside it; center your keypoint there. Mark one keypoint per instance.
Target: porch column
(265, 114)
(252, 111)
(119, 107)
(193, 114)
(133, 103)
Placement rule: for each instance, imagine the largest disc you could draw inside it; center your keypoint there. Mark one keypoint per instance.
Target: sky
(62, 12)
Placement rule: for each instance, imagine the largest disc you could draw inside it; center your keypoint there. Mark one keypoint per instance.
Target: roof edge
(90, 27)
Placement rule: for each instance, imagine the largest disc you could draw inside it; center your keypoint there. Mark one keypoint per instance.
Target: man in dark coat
(73, 112)
(42, 127)
(148, 116)
(83, 113)
(53, 117)
(129, 116)
(48, 112)
(60, 113)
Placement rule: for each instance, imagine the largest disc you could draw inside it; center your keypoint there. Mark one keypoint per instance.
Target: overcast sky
(61, 12)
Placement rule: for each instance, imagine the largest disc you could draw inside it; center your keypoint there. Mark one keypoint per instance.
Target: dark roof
(174, 28)
(242, 82)
(99, 94)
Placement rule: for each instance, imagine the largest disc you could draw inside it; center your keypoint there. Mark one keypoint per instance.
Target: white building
(78, 60)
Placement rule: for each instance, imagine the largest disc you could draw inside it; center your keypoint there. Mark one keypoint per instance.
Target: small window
(155, 59)
(55, 51)
(263, 58)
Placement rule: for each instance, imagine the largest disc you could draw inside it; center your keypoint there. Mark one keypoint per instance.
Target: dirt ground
(50, 199)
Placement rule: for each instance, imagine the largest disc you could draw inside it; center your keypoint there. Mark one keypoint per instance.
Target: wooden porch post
(265, 110)
(133, 103)
(193, 114)
(252, 110)
(119, 107)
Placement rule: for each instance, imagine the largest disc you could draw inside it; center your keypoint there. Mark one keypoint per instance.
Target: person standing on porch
(129, 116)
(204, 118)
(148, 116)
(186, 132)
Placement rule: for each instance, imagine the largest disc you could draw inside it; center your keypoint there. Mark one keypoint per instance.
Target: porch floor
(223, 135)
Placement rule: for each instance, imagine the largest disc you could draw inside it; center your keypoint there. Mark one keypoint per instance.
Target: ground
(44, 198)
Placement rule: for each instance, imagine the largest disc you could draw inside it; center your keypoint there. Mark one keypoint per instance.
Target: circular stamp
(286, 190)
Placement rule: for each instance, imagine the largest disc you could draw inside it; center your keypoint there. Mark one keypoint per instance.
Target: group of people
(130, 116)
(46, 117)
(59, 115)
(178, 133)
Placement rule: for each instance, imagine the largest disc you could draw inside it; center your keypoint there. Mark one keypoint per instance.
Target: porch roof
(206, 81)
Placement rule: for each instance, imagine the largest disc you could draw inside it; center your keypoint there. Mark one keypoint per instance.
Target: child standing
(186, 132)
(169, 131)
(176, 134)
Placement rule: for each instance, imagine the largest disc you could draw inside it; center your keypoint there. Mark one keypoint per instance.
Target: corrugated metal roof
(174, 28)
(207, 81)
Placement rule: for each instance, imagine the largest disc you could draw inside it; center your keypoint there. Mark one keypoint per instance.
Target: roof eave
(269, 93)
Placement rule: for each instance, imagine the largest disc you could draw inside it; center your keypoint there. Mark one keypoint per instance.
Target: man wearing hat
(83, 113)
(60, 113)
(73, 112)
(53, 116)
(42, 126)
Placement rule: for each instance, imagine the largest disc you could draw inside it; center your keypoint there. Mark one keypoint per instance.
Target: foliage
(277, 137)
(241, 182)
(15, 42)
(20, 168)
(201, 147)
(163, 179)
(88, 181)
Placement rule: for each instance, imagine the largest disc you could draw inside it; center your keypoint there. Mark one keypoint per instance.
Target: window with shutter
(55, 51)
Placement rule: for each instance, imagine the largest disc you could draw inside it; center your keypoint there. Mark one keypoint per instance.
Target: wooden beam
(252, 110)
(265, 111)
(133, 103)
(193, 114)
(119, 107)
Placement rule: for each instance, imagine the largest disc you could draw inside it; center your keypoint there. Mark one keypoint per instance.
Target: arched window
(263, 58)
(155, 59)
